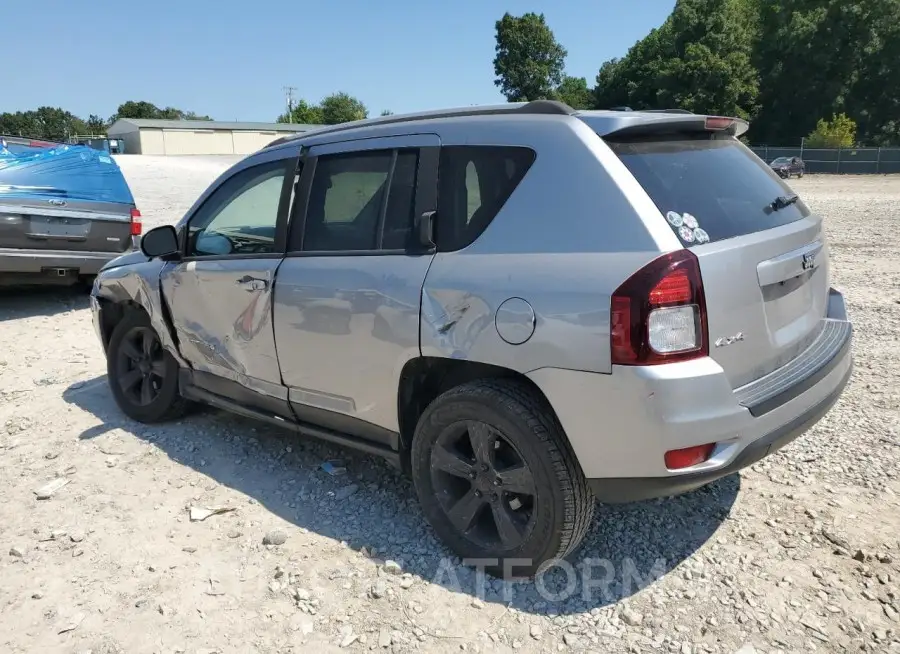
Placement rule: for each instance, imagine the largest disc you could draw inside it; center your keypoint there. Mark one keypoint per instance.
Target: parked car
(593, 309)
(65, 211)
(787, 166)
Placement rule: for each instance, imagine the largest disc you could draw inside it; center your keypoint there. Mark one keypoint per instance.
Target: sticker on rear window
(674, 218)
(689, 221)
(701, 236)
(686, 234)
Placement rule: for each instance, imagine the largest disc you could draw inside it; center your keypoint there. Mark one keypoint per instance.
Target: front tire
(143, 376)
(497, 479)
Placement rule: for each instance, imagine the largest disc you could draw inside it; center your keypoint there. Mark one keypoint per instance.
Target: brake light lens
(718, 122)
(136, 225)
(659, 314)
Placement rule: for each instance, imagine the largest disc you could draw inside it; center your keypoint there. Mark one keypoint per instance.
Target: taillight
(136, 225)
(659, 314)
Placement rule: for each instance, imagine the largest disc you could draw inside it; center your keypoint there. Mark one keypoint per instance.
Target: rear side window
(362, 201)
(717, 183)
(475, 182)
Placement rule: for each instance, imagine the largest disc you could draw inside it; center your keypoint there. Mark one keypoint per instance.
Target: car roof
(601, 121)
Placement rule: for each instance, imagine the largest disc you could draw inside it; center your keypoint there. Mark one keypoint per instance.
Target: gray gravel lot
(799, 553)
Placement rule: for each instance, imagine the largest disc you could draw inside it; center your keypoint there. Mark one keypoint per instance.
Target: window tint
(398, 220)
(475, 183)
(718, 181)
(349, 194)
(240, 216)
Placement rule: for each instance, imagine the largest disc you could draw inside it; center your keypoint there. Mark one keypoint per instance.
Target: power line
(289, 100)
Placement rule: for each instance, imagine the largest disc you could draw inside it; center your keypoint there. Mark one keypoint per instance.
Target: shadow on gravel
(18, 302)
(374, 506)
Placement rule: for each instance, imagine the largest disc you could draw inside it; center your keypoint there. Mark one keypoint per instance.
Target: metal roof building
(145, 136)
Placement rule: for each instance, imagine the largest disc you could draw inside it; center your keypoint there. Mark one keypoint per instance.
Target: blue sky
(231, 59)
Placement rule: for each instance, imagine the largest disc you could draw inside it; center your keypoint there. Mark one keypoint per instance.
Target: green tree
(50, 123)
(147, 110)
(342, 108)
(839, 132)
(699, 59)
(824, 57)
(95, 124)
(387, 112)
(529, 61)
(574, 92)
(303, 113)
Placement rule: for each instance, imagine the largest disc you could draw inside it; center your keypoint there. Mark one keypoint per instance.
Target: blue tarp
(74, 172)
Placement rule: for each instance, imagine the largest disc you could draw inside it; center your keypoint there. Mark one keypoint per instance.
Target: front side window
(361, 201)
(240, 216)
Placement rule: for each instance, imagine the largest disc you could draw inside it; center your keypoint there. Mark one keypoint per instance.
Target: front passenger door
(220, 293)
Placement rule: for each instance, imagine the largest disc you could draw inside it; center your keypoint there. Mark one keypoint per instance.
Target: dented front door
(220, 294)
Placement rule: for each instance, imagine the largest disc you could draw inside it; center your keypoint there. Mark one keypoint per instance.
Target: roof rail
(621, 109)
(547, 107)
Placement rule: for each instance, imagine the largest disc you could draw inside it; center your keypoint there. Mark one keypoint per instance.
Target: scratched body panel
(223, 327)
(136, 279)
(345, 326)
(464, 290)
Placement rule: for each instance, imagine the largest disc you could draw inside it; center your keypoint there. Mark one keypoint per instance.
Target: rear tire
(497, 479)
(143, 376)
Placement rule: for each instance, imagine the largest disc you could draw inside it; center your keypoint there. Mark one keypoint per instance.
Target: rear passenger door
(348, 293)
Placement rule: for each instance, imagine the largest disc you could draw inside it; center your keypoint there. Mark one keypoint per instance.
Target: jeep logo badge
(57, 203)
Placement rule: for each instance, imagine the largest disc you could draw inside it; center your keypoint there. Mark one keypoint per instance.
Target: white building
(144, 136)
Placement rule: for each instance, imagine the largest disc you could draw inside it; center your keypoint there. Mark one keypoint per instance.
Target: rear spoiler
(678, 122)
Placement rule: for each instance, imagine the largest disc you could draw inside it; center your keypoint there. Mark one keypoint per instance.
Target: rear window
(709, 189)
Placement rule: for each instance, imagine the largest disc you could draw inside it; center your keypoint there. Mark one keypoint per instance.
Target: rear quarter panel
(574, 229)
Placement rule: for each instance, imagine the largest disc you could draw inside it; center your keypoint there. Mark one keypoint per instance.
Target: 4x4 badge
(728, 340)
(809, 260)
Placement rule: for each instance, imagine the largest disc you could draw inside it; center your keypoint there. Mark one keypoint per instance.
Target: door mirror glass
(160, 242)
(210, 243)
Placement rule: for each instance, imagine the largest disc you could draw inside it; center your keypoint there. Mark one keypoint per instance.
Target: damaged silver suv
(526, 307)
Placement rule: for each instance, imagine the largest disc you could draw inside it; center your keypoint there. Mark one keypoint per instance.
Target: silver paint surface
(515, 321)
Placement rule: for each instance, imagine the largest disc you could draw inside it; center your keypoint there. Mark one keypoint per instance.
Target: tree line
(56, 124)
(331, 110)
(819, 68)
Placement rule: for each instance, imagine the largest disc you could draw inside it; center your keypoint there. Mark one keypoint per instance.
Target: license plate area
(72, 229)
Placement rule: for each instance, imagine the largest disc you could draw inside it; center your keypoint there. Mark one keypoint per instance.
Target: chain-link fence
(843, 161)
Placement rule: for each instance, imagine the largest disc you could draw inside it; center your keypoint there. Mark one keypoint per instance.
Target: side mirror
(424, 230)
(160, 242)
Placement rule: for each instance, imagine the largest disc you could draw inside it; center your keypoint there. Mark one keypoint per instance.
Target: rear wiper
(783, 201)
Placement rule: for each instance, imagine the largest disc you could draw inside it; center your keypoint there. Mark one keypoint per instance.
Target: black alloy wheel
(141, 365)
(484, 486)
(143, 376)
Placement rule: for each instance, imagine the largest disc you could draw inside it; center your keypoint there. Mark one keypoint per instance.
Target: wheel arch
(424, 378)
(135, 288)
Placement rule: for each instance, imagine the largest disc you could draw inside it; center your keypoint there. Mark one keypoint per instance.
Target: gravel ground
(799, 553)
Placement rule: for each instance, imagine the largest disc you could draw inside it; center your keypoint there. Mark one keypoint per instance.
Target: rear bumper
(14, 260)
(621, 425)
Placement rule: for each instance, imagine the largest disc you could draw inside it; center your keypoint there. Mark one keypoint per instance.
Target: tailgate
(763, 256)
(74, 225)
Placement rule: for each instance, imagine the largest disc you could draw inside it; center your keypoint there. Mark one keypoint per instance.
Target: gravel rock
(631, 617)
(17, 551)
(392, 568)
(275, 538)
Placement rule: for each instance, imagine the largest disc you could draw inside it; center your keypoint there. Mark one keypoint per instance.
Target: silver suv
(524, 306)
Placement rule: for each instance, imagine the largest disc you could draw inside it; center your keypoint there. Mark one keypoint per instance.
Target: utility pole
(289, 99)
